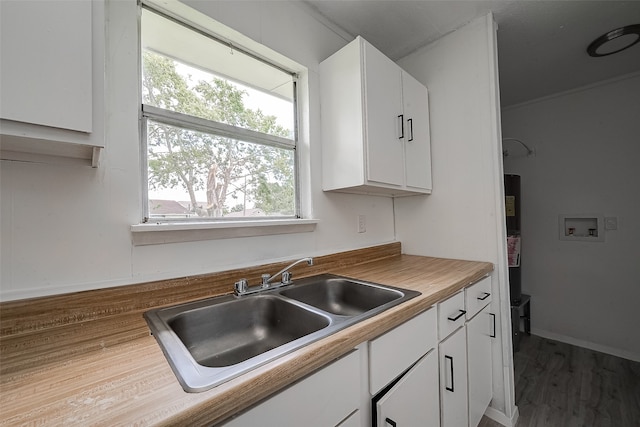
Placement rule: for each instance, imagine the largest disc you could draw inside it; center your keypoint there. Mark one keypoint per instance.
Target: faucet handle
(241, 286)
(265, 280)
(286, 278)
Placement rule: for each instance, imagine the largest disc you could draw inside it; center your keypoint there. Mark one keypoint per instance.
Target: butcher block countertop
(88, 358)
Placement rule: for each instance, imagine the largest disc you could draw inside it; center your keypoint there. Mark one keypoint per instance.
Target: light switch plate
(610, 223)
(362, 223)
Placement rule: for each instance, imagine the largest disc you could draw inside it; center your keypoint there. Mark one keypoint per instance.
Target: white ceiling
(541, 44)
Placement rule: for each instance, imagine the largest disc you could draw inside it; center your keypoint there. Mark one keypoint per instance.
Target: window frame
(148, 112)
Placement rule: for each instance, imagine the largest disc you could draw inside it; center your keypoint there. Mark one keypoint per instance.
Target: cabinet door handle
(401, 120)
(445, 385)
(390, 422)
(493, 334)
(410, 121)
(486, 295)
(462, 313)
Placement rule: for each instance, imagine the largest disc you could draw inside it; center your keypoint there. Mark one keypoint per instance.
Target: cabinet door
(46, 70)
(417, 133)
(322, 399)
(413, 401)
(392, 353)
(453, 380)
(479, 332)
(383, 121)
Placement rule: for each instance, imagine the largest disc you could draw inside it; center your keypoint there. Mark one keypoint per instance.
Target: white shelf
(159, 233)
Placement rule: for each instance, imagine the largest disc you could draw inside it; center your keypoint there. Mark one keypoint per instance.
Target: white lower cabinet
(480, 330)
(466, 385)
(324, 398)
(432, 370)
(451, 315)
(453, 380)
(353, 420)
(403, 374)
(394, 352)
(413, 400)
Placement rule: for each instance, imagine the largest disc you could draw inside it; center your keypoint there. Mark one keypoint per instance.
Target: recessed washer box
(581, 227)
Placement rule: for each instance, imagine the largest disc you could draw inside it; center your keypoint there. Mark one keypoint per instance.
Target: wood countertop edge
(218, 404)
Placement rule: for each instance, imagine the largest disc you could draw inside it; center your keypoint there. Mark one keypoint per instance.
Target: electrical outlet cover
(362, 223)
(610, 223)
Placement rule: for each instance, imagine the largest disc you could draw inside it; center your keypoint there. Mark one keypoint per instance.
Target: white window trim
(153, 233)
(159, 233)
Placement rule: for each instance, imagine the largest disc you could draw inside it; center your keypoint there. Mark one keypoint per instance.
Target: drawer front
(315, 401)
(478, 296)
(451, 315)
(392, 353)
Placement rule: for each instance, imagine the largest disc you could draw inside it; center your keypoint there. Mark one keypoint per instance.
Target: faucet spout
(286, 275)
(242, 287)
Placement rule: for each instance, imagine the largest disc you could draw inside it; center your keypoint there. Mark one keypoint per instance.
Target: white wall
(67, 229)
(587, 145)
(464, 216)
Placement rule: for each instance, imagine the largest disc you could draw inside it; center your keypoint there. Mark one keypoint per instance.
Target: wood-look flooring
(562, 385)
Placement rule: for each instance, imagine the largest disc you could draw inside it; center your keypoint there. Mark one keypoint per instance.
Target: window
(218, 128)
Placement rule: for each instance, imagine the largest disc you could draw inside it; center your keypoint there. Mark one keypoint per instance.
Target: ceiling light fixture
(615, 41)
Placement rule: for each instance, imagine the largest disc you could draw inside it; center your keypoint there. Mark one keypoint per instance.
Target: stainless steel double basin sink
(211, 341)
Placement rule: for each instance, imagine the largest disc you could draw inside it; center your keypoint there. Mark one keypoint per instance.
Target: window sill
(160, 233)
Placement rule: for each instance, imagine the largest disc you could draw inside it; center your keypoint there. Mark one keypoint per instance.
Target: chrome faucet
(286, 275)
(242, 286)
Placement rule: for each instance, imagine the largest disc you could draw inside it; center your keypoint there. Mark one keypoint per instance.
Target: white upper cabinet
(417, 140)
(46, 63)
(50, 72)
(382, 111)
(375, 125)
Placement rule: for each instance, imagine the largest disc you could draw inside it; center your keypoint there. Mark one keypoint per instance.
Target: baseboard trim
(586, 344)
(501, 417)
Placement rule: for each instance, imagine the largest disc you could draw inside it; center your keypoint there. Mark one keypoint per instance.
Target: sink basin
(225, 334)
(211, 341)
(342, 296)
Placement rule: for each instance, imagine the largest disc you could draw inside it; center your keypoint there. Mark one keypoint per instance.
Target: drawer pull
(390, 422)
(493, 334)
(445, 385)
(401, 122)
(462, 313)
(486, 295)
(410, 121)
